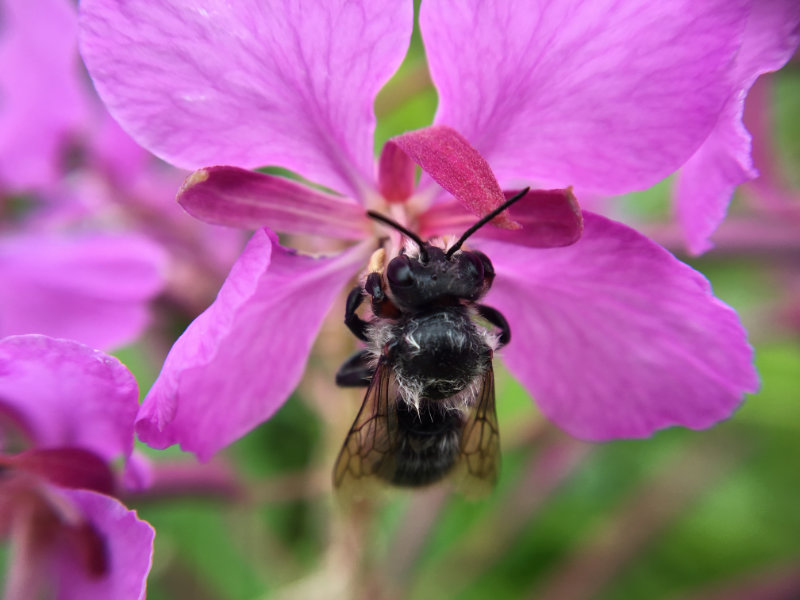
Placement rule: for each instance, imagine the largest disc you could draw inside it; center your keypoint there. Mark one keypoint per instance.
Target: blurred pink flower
(91, 287)
(73, 409)
(70, 264)
(612, 335)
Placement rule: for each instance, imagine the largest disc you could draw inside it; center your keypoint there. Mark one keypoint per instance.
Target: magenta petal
(238, 361)
(396, 172)
(549, 219)
(67, 467)
(128, 548)
(604, 95)
(93, 288)
(708, 179)
(63, 393)
(448, 158)
(139, 472)
(38, 64)
(615, 338)
(250, 200)
(248, 83)
(112, 151)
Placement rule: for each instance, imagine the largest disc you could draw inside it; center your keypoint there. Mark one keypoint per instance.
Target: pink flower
(612, 335)
(74, 408)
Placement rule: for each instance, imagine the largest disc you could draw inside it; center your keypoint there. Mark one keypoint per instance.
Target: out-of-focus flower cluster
(89, 234)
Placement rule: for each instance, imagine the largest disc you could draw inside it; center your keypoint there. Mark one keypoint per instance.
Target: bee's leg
(357, 371)
(496, 318)
(355, 323)
(382, 306)
(374, 287)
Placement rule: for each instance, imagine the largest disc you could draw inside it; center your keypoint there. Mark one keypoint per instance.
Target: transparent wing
(479, 464)
(369, 448)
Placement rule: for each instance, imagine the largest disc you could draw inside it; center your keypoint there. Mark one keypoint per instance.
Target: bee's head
(433, 276)
(436, 276)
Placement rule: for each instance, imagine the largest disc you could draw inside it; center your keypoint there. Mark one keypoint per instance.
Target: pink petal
(115, 153)
(152, 196)
(139, 472)
(549, 219)
(604, 95)
(615, 338)
(238, 361)
(396, 173)
(448, 158)
(66, 467)
(93, 288)
(707, 181)
(248, 84)
(128, 550)
(38, 64)
(250, 200)
(65, 394)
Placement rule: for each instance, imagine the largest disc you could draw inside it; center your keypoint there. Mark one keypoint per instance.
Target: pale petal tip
(198, 176)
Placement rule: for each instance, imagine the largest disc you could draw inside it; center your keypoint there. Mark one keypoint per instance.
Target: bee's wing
(369, 449)
(479, 464)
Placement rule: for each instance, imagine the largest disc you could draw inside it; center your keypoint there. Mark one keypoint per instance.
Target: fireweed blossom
(611, 334)
(67, 411)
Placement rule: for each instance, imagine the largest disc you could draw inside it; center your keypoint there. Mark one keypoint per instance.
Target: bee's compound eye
(399, 272)
(486, 265)
(473, 266)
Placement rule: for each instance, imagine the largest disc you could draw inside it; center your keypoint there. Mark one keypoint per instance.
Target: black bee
(429, 410)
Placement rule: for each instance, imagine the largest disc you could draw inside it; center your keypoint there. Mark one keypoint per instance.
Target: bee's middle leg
(357, 371)
(496, 318)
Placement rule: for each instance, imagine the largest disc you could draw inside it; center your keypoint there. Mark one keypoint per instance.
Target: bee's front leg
(382, 306)
(355, 323)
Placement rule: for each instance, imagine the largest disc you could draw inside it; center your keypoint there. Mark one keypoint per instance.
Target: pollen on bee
(377, 261)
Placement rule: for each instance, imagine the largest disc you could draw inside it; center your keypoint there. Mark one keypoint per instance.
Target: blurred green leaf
(196, 555)
(787, 121)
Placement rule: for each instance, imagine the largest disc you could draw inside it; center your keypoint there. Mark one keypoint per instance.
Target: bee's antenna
(486, 218)
(423, 253)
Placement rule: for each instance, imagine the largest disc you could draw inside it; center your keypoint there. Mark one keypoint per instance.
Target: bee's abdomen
(428, 444)
(440, 352)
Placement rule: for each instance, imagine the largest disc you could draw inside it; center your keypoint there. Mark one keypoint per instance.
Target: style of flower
(73, 409)
(611, 334)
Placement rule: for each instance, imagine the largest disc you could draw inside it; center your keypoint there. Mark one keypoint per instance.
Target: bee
(429, 410)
